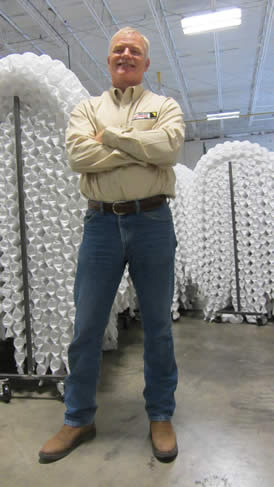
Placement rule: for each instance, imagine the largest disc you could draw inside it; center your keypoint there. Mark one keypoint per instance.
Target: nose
(126, 52)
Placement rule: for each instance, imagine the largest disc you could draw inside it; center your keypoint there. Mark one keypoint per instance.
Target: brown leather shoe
(68, 438)
(163, 439)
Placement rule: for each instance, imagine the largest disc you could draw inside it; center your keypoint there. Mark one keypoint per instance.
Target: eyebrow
(126, 45)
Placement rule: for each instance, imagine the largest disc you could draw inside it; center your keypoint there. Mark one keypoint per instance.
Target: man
(124, 143)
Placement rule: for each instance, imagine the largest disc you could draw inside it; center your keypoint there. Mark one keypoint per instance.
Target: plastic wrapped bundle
(178, 206)
(125, 300)
(269, 269)
(11, 302)
(52, 220)
(210, 261)
(40, 82)
(254, 217)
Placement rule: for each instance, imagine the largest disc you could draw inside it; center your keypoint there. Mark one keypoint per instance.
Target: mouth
(122, 64)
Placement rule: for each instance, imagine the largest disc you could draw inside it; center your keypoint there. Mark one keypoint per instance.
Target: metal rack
(259, 316)
(5, 379)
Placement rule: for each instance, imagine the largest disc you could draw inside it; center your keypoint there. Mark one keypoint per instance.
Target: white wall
(193, 151)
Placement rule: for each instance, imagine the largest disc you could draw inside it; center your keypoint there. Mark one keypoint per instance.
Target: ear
(147, 64)
(108, 60)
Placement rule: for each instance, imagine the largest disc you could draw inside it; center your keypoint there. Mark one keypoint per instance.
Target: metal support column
(234, 232)
(22, 216)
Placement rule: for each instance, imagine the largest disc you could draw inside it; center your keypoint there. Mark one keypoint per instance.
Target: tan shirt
(143, 134)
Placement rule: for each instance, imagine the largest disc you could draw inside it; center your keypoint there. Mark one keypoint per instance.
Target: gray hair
(131, 30)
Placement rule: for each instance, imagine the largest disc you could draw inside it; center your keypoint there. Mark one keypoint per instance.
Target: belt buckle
(117, 212)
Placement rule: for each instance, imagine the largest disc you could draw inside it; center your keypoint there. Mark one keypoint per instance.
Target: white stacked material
(184, 181)
(210, 261)
(11, 303)
(52, 219)
(253, 182)
(125, 300)
(40, 82)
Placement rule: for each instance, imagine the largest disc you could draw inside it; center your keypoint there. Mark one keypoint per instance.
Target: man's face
(127, 61)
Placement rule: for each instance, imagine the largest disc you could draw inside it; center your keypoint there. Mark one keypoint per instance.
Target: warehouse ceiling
(211, 72)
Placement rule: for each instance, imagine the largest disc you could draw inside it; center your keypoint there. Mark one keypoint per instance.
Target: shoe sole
(164, 456)
(53, 457)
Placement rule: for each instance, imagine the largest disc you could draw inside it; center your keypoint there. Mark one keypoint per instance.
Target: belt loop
(137, 202)
(101, 207)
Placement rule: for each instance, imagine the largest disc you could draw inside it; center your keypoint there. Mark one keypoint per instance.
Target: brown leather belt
(126, 207)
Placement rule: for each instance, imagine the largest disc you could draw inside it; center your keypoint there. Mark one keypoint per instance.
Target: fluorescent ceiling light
(222, 115)
(217, 20)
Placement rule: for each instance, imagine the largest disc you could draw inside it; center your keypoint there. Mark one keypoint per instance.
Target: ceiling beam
(21, 32)
(80, 51)
(170, 49)
(264, 42)
(103, 16)
(35, 13)
(219, 78)
(80, 54)
(218, 70)
(6, 45)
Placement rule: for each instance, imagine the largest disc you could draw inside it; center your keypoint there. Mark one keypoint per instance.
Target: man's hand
(99, 136)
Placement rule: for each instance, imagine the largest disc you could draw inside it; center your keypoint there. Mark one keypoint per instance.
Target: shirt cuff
(111, 137)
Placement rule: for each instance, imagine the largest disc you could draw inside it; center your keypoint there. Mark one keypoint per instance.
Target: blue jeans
(146, 240)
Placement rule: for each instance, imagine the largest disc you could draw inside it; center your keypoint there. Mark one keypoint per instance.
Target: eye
(118, 50)
(135, 52)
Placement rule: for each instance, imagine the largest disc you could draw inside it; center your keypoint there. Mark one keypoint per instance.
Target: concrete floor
(224, 417)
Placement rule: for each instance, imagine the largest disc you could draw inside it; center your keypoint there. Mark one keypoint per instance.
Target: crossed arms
(92, 152)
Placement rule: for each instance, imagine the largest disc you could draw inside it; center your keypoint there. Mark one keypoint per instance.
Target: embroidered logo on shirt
(144, 115)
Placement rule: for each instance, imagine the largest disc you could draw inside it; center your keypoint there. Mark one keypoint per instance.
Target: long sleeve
(85, 154)
(158, 146)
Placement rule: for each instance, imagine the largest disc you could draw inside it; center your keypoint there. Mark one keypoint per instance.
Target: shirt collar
(131, 94)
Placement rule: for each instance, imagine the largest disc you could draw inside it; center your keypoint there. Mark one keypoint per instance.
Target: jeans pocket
(162, 213)
(90, 215)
